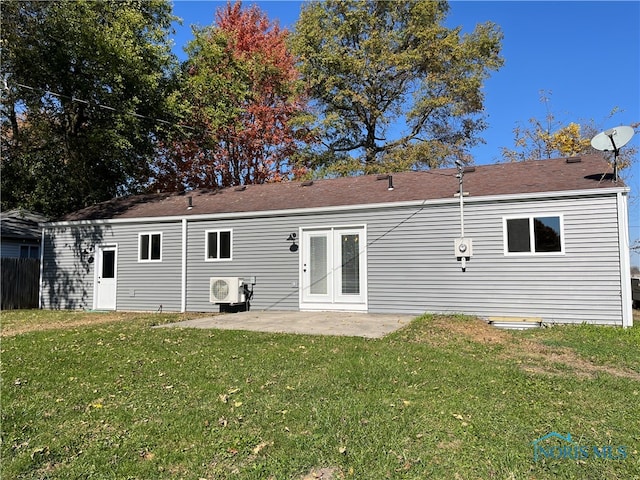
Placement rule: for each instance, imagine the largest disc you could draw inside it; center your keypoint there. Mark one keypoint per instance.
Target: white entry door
(105, 278)
(333, 275)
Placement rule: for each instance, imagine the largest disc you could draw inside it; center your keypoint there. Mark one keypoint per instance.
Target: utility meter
(463, 247)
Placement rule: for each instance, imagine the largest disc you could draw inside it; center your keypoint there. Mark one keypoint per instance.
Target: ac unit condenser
(225, 290)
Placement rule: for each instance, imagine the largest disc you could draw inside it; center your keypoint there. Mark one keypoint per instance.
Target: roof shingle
(553, 175)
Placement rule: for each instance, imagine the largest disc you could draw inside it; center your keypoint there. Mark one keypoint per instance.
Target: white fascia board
(347, 208)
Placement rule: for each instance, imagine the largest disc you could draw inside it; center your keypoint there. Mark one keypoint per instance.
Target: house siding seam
(411, 264)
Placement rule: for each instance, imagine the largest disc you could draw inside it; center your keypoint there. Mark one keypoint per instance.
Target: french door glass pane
(318, 265)
(350, 264)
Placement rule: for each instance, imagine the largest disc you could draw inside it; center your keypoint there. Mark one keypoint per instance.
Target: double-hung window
(533, 235)
(150, 247)
(218, 245)
(29, 251)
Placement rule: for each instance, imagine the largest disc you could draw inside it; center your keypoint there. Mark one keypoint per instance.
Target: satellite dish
(613, 140)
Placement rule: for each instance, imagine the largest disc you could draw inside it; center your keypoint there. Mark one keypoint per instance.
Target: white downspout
(625, 261)
(183, 277)
(41, 282)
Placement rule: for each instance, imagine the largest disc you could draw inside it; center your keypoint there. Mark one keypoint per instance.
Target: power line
(100, 105)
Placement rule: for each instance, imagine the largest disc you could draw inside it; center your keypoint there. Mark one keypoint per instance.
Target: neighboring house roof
(554, 175)
(21, 224)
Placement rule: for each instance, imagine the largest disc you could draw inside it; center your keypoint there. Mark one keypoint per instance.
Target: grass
(104, 396)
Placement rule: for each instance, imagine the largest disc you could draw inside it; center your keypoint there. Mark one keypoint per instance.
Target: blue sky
(585, 53)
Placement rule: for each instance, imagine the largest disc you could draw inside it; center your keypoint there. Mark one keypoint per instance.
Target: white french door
(105, 278)
(333, 269)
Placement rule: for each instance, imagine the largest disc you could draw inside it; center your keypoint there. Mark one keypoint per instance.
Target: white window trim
(532, 253)
(206, 245)
(149, 260)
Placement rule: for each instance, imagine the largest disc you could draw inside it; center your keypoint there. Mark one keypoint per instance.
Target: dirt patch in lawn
(444, 330)
(26, 322)
(323, 474)
(532, 355)
(41, 323)
(542, 359)
(477, 330)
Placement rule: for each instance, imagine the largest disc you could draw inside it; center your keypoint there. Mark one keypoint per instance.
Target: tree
(394, 88)
(550, 138)
(243, 97)
(83, 80)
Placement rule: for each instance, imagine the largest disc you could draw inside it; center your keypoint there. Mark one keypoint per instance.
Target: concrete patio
(349, 324)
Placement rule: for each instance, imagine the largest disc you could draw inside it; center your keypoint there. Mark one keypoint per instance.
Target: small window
(29, 251)
(218, 245)
(150, 247)
(534, 235)
(108, 264)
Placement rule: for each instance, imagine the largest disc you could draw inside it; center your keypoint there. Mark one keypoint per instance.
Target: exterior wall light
(294, 246)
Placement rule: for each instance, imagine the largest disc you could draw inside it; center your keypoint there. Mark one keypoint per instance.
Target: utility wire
(100, 105)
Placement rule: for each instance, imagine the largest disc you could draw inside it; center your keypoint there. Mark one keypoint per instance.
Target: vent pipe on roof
(390, 183)
(190, 203)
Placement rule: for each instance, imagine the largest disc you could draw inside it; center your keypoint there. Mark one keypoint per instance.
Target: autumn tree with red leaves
(244, 107)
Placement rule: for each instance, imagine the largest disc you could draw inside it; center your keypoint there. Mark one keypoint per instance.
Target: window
(218, 245)
(150, 247)
(533, 235)
(29, 251)
(108, 263)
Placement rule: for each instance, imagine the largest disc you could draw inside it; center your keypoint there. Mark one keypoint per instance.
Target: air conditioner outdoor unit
(225, 290)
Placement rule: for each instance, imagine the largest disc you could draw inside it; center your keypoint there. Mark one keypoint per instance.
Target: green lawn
(105, 396)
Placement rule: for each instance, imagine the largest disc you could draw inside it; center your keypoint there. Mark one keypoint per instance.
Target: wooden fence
(20, 283)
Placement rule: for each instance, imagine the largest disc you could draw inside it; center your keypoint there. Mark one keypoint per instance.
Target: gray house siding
(149, 286)
(67, 271)
(259, 249)
(412, 269)
(410, 260)
(10, 248)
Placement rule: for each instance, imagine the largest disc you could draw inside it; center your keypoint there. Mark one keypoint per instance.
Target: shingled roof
(554, 175)
(21, 224)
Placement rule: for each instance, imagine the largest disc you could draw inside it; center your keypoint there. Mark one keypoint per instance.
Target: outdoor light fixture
(294, 246)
